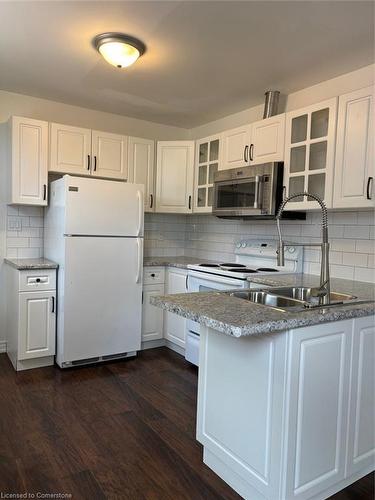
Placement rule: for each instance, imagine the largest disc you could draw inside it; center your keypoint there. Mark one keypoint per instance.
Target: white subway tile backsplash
(366, 217)
(345, 272)
(356, 232)
(14, 242)
(354, 259)
(344, 218)
(365, 246)
(351, 234)
(29, 253)
(364, 274)
(343, 245)
(36, 221)
(27, 240)
(30, 211)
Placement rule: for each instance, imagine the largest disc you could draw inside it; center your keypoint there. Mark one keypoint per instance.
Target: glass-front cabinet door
(207, 163)
(309, 154)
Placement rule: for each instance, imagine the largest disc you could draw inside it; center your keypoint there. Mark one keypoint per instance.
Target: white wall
(324, 90)
(43, 109)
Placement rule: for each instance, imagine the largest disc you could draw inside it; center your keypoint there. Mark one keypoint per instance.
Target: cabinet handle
(151, 200)
(190, 202)
(53, 305)
(369, 183)
(88, 162)
(44, 191)
(152, 275)
(187, 282)
(251, 152)
(246, 154)
(95, 163)
(284, 193)
(142, 297)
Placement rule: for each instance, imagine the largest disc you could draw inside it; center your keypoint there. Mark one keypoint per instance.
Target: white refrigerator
(94, 231)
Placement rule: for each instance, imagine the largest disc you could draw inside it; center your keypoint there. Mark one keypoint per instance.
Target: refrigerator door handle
(140, 212)
(139, 260)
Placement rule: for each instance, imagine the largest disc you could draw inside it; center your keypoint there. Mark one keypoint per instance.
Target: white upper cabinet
(81, 151)
(207, 161)
(174, 176)
(309, 153)
(355, 162)
(141, 159)
(70, 149)
(235, 147)
(259, 142)
(109, 153)
(28, 157)
(267, 140)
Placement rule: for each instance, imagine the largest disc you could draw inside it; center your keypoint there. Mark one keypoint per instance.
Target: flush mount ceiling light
(118, 49)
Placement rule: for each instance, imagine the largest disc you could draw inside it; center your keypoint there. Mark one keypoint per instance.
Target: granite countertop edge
(253, 323)
(29, 264)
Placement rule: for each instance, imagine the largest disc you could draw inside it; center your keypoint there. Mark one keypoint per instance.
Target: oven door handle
(258, 191)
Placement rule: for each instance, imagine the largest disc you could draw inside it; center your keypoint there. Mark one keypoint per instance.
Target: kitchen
(206, 170)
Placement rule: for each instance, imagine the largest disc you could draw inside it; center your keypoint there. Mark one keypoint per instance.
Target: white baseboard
(175, 348)
(152, 344)
(3, 346)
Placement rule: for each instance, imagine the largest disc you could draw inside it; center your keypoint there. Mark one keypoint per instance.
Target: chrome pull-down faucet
(323, 291)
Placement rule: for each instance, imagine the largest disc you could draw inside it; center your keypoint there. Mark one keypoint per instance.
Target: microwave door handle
(257, 191)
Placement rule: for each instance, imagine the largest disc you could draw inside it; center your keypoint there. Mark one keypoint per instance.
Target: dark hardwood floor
(123, 430)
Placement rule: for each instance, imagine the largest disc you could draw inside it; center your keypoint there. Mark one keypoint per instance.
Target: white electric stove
(252, 258)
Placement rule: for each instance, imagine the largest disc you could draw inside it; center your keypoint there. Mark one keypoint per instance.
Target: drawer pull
(153, 275)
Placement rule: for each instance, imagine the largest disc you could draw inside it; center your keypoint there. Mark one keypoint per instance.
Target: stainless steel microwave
(252, 191)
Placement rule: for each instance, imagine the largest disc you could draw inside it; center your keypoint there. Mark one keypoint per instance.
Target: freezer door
(102, 298)
(103, 208)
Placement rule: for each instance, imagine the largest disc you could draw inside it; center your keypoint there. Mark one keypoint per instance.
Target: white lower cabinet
(31, 318)
(37, 325)
(319, 370)
(361, 439)
(292, 415)
(152, 317)
(174, 325)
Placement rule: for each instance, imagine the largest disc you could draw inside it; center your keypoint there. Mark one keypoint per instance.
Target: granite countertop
(181, 262)
(23, 264)
(238, 317)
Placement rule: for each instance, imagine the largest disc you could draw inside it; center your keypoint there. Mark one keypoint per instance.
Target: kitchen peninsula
(285, 400)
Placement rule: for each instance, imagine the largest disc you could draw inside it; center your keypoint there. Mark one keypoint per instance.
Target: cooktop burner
(268, 269)
(209, 265)
(242, 270)
(231, 264)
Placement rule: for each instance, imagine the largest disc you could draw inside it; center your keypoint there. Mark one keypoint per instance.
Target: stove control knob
(239, 244)
(291, 250)
(244, 244)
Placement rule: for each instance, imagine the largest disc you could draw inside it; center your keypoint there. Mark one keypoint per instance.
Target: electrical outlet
(14, 224)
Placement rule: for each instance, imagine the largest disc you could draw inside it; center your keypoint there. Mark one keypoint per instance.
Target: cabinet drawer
(153, 275)
(37, 279)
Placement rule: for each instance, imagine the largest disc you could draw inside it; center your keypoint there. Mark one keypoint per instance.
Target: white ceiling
(204, 60)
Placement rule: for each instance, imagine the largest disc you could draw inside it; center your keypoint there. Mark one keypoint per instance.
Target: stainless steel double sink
(293, 299)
